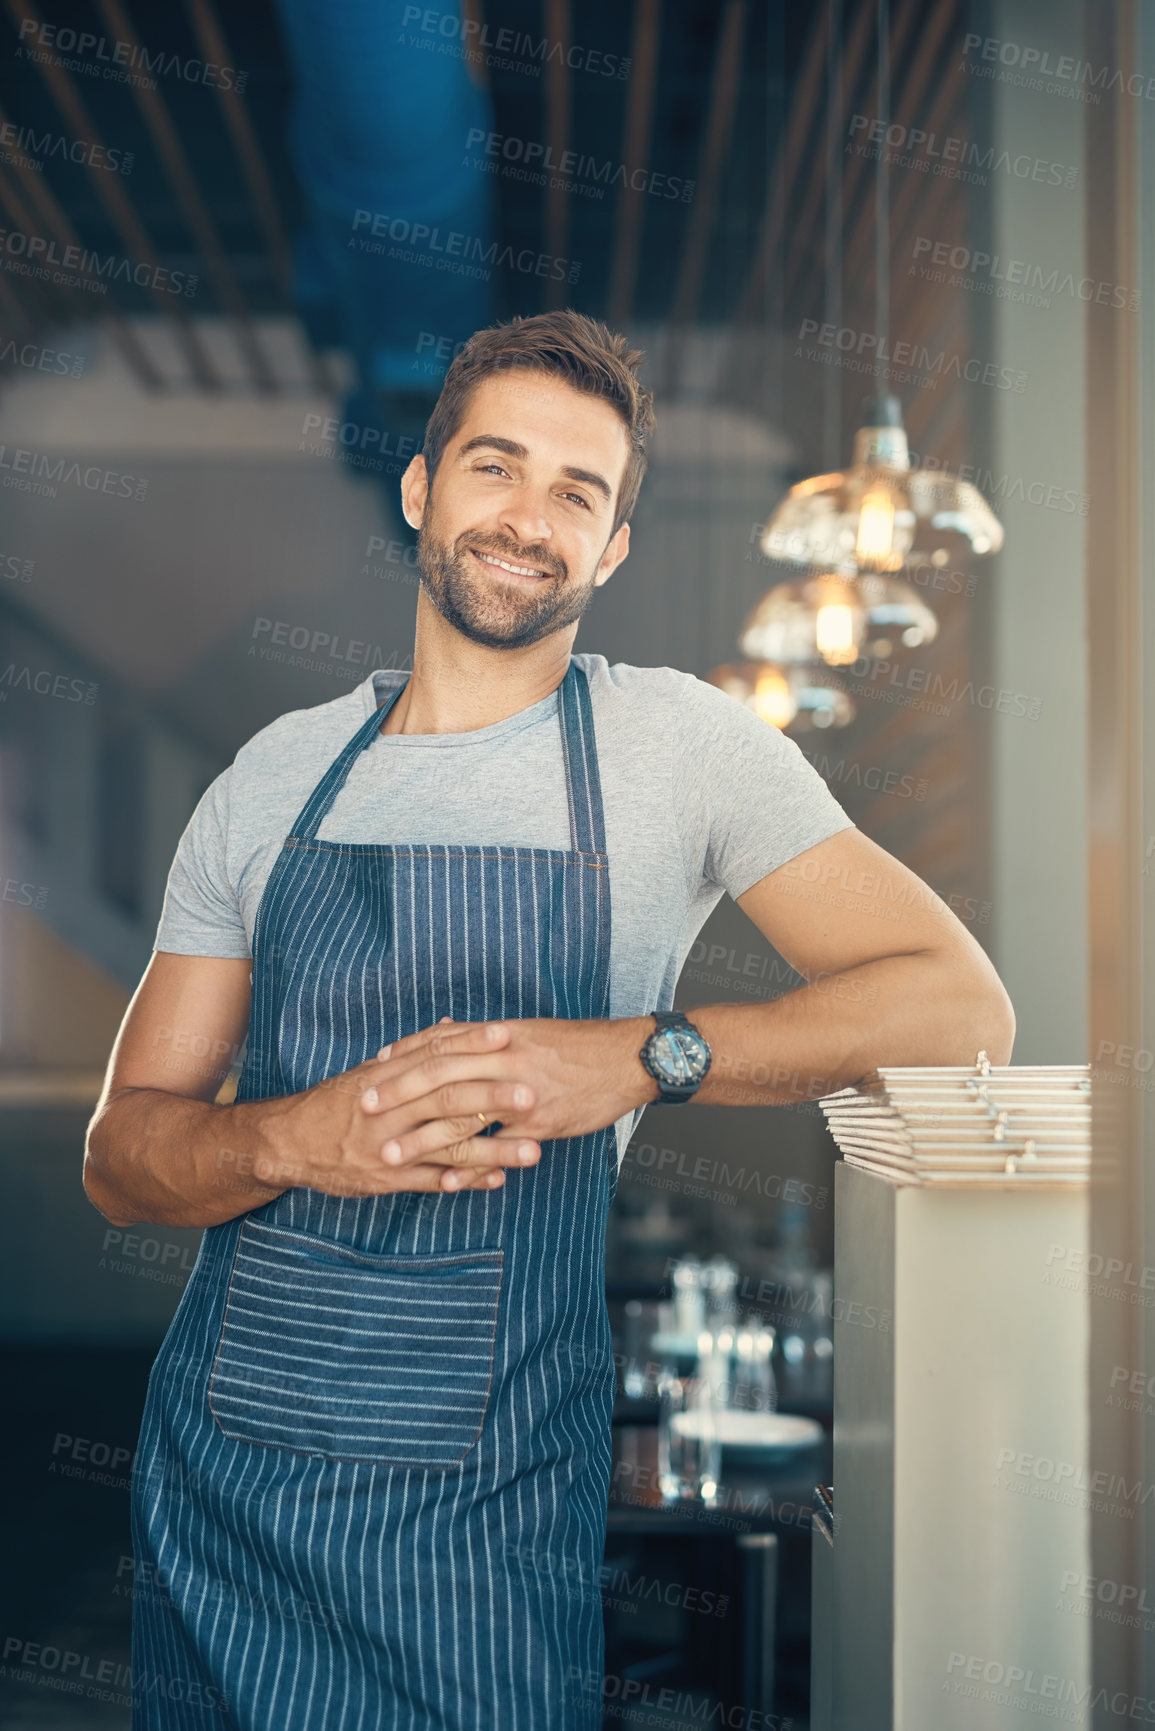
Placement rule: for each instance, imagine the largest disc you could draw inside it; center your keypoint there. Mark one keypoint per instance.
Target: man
(449, 910)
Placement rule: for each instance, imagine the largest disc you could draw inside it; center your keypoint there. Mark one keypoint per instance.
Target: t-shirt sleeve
(750, 799)
(201, 915)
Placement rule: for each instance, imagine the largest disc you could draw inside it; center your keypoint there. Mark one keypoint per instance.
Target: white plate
(755, 1432)
(669, 1344)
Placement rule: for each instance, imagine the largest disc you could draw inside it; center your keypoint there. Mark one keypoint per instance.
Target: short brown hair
(570, 346)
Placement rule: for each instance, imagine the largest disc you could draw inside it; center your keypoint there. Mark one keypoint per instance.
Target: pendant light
(815, 618)
(795, 696)
(835, 619)
(896, 614)
(797, 627)
(880, 513)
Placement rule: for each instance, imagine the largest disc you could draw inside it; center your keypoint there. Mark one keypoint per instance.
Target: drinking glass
(689, 1295)
(689, 1452)
(720, 1280)
(752, 1384)
(641, 1324)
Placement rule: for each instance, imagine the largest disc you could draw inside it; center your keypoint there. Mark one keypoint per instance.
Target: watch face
(680, 1054)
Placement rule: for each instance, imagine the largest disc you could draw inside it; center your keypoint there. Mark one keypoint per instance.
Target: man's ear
(415, 492)
(616, 549)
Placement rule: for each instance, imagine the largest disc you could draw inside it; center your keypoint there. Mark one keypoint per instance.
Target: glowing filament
(772, 699)
(875, 543)
(834, 632)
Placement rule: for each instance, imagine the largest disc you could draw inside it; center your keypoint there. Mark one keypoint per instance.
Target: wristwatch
(676, 1056)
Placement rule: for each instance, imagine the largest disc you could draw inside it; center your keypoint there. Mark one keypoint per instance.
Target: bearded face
(495, 591)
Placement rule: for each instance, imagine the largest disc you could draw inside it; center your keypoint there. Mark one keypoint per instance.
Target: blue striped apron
(371, 1483)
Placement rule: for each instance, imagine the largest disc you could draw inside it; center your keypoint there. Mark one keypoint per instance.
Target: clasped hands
(411, 1117)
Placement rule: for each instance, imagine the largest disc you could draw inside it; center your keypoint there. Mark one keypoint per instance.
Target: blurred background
(238, 248)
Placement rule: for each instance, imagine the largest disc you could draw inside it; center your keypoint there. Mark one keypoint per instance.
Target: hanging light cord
(882, 187)
(832, 431)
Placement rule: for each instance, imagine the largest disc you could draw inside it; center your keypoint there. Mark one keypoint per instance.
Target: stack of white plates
(1017, 1124)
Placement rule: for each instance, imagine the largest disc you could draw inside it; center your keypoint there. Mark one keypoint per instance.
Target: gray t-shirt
(701, 796)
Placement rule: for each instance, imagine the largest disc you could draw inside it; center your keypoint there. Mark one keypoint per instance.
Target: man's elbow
(966, 1004)
(100, 1192)
(999, 1020)
(110, 1206)
(990, 1018)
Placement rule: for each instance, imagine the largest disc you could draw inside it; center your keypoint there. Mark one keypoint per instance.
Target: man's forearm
(172, 1161)
(914, 1009)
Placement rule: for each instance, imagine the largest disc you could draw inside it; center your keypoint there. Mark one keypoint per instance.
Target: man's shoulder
(624, 684)
(656, 694)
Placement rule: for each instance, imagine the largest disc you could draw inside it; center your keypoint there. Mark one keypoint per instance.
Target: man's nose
(527, 520)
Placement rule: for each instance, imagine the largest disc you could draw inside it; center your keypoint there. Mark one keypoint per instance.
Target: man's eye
(577, 499)
(495, 468)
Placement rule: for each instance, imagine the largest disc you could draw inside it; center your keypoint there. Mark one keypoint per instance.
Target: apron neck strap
(312, 813)
(583, 783)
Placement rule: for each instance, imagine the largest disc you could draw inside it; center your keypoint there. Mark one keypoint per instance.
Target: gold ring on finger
(483, 1118)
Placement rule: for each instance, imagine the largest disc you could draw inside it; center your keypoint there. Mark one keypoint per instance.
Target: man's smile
(533, 573)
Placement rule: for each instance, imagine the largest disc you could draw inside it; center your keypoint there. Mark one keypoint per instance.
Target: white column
(1039, 818)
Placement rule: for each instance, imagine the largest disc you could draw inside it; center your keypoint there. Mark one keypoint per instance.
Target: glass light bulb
(834, 633)
(772, 699)
(875, 541)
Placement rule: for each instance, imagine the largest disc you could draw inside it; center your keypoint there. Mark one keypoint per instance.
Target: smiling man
(448, 911)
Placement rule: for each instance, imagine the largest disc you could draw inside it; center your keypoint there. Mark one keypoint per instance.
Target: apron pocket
(326, 1350)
